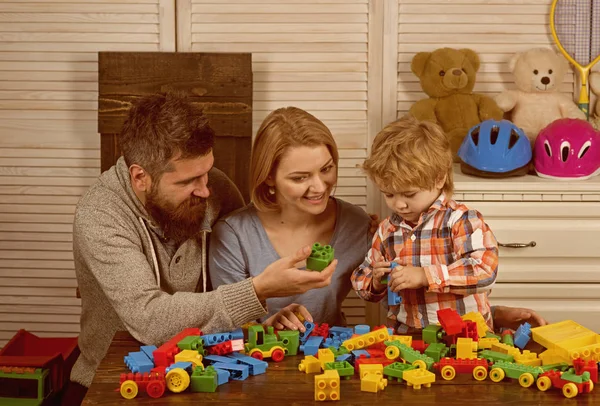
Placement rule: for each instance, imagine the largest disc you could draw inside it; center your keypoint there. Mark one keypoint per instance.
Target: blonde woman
(293, 174)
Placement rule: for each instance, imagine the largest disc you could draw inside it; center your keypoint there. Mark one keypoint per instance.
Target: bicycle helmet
(495, 149)
(567, 149)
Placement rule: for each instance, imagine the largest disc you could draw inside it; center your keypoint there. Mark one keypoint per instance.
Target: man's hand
(282, 278)
(287, 319)
(407, 277)
(513, 317)
(380, 270)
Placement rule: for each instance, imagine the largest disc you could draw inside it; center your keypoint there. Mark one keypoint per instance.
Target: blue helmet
(495, 149)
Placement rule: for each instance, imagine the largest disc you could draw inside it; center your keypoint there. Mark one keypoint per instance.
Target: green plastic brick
(494, 356)
(191, 343)
(432, 334)
(291, 341)
(203, 380)
(345, 369)
(320, 257)
(396, 370)
(436, 351)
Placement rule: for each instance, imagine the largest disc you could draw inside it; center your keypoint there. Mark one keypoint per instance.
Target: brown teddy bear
(538, 74)
(448, 76)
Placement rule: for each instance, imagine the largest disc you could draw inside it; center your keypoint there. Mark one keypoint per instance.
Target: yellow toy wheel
(129, 389)
(448, 372)
(526, 380)
(420, 364)
(392, 352)
(480, 373)
(497, 374)
(570, 390)
(591, 386)
(544, 383)
(178, 380)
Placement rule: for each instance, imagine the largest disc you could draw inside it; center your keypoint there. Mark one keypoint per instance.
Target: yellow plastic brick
(372, 383)
(364, 369)
(327, 385)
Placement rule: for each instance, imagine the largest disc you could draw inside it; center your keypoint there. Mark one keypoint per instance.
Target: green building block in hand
(320, 257)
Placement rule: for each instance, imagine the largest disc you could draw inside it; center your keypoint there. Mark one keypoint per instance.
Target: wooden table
(283, 383)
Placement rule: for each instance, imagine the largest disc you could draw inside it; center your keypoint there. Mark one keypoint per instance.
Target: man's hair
(161, 127)
(410, 154)
(281, 129)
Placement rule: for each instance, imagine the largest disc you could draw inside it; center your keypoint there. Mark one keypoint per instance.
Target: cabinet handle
(518, 244)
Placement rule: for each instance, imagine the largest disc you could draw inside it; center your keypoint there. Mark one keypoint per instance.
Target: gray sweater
(132, 278)
(240, 248)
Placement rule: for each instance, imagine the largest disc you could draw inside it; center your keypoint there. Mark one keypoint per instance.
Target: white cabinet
(554, 229)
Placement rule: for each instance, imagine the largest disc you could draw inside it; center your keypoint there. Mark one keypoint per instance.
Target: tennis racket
(575, 26)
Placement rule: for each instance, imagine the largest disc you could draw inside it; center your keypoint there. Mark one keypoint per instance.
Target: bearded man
(140, 240)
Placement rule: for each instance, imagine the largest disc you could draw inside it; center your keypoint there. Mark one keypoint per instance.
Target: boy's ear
(439, 184)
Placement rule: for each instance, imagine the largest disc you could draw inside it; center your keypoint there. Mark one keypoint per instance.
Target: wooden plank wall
(49, 146)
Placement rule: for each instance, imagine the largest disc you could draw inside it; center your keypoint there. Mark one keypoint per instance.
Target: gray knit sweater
(132, 278)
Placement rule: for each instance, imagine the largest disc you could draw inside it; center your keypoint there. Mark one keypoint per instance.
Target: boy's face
(410, 203)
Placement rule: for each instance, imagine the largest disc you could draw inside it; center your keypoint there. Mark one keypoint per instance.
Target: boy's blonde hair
(281, 129)
(410, 154)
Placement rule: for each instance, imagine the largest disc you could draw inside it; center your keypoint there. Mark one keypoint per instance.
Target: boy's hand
(407, 277)
(380, 269)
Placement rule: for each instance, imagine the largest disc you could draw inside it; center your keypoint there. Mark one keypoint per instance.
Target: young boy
(447, 255)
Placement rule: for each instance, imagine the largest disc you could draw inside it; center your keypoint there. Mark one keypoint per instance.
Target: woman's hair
(160, 127)
(281, 129)
(407, 153)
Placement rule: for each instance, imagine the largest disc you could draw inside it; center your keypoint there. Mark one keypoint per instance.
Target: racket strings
(573, 21)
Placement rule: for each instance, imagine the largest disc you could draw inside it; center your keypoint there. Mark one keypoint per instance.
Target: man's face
(177, 202)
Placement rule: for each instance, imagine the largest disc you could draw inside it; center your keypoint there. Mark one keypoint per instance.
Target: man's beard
(179, 223)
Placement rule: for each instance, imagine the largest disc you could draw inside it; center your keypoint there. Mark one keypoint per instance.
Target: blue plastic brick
(361, 329)
(344, 357)
(138, 362)
(213, 339)
(394, 298)
(148, 350)
(309, 328)
(222, 376)
(211, 359)
(311, 347)
(238, 372)
(330, 342)
(237, 334)
(341, 333)
(522, 335)
(358, 353)
(257, 366)
(187, 365)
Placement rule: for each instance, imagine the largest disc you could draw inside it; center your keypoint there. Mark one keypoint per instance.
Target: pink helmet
(567, 149)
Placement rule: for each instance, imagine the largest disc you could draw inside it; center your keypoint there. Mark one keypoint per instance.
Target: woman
(293, 172)
(292, 176)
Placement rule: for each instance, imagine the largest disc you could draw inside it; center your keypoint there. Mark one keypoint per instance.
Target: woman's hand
(287, 319)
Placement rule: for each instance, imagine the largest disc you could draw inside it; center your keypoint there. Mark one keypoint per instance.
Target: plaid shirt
(456, 248)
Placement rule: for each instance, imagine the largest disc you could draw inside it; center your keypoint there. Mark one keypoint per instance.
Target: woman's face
(305, 178)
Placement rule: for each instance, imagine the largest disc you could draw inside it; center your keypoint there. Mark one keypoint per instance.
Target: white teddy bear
(538, 74)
